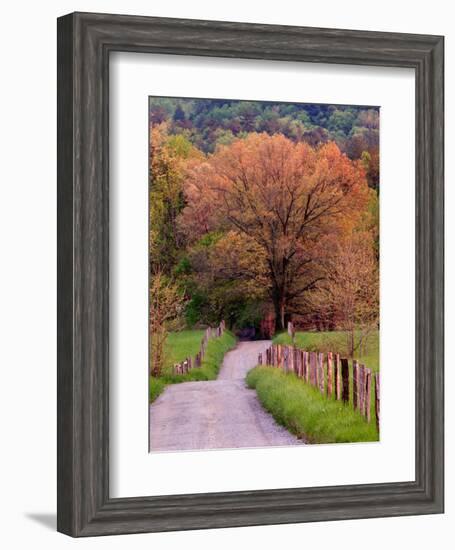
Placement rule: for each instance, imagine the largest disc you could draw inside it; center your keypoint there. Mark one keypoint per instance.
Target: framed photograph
(250, 274)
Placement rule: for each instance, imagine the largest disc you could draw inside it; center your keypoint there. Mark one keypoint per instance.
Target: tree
(284, 197)
(158, 114)
(166, 305)
(179, 114)
(168, 155)
(349, 289)
(370, 161)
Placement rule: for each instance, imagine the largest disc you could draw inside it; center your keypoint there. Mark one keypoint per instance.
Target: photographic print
(263, 274)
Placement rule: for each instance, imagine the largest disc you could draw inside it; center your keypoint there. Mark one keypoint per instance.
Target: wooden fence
(331, 374)
(189, 363)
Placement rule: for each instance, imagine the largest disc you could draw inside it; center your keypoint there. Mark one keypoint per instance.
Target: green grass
(335, 341)
(185, 343)
(305, 412)
(180, 345)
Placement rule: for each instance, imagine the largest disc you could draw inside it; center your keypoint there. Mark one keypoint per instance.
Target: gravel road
(219, 414)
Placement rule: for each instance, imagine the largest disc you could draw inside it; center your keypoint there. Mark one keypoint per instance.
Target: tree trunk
(282, 315)
(277, 310)
(352, 342)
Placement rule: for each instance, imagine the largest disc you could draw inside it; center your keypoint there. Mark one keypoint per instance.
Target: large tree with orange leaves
(282, 196)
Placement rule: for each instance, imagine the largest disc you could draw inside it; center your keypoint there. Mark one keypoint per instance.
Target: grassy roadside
(305, 412)
(185, 343)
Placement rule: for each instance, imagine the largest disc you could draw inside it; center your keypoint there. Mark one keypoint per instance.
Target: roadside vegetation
(185, 343)
(301, 409)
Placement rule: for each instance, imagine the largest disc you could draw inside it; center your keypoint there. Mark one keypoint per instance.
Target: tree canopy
(256, 206)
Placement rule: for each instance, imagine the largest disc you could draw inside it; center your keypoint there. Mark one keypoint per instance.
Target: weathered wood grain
(362, 389)
(355, 384)
(337, 376)
(377, 399)
(345, 380)
(320, 372)
(367, 410)
(329, 374)
(313, 368)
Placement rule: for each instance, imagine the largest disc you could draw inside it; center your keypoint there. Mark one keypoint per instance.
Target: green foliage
(209, 239)
(246, 314)
(180, 146)
(183, 267)
(166, 201)
(305, 412)
(209, 123)
(195, 308)
(334, 341)
(187, 343)
(156, 387)
(342, 121)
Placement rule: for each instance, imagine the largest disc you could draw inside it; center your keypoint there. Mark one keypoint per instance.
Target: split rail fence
(331, 374)
(189, 363)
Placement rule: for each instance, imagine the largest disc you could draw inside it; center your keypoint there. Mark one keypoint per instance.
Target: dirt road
(220, 414)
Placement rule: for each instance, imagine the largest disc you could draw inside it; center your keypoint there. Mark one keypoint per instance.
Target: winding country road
(219, 414)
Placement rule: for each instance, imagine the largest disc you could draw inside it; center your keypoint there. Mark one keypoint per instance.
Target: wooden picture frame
(84, 44)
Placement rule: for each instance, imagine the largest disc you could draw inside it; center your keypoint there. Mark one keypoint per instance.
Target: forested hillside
(211, 122)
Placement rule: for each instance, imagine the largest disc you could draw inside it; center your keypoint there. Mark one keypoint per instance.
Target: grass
(182, 344)
(305, 412)
(335, 341)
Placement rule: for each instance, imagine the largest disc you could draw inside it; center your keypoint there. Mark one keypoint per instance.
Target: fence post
(337, 377)
(320, 372)
(362, 389)
(377, 398)
(313, 374)
(345, 377)
(285, 358)
(291, 331)
(298, 362)
(355, 383)
(329, 374)
(260, 359)
(292, 364)
(305, 367)
(368, 394)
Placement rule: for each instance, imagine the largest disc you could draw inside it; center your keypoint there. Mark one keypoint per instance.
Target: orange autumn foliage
(282, 196)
